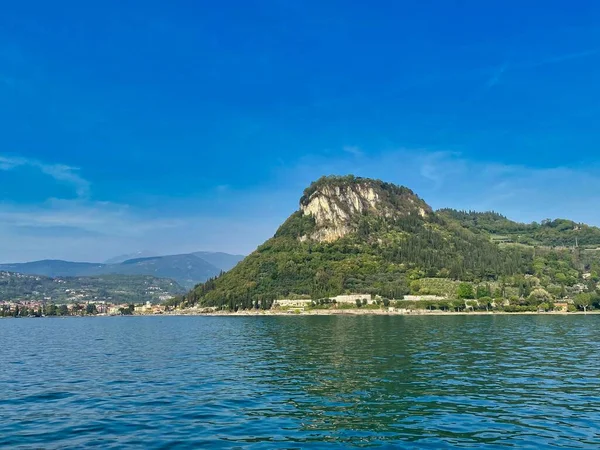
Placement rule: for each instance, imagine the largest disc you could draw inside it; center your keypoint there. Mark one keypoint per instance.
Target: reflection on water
(293, 382)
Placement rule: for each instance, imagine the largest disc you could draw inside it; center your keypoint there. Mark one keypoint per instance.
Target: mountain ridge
(122, 258)
(186, 269)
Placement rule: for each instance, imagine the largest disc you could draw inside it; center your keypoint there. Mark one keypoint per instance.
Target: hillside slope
(550, 233)
(360, 235)
(115, 288)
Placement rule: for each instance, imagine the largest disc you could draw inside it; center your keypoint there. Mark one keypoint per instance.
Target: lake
(296, 382)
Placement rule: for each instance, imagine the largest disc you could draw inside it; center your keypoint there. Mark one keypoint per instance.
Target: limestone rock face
(337, 206)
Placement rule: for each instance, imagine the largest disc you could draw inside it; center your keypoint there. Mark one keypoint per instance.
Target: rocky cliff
(337, 203)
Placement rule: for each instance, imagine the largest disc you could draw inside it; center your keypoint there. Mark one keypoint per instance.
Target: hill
(356, 235)
(186, 269)
(550, 233)
(115, 288)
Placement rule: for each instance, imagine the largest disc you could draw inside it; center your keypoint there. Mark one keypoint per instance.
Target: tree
(483, 291)
(453, 305)
(539, 295)
(583, 301)
(91, 309)
(51, 310)
(63, 310)
(465, 290)
(560, 278)
(128, 310)
(485, 302)
(358, 303)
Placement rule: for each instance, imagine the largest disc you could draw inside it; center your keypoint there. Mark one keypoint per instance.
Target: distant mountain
(53, 268)
(186, 269)
(223, 261)
(122, 258)
(116, 288)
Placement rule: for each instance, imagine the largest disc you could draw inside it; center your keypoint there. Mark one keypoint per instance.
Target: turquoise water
(298, 382)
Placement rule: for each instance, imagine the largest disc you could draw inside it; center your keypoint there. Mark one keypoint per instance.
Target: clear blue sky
(188, 125)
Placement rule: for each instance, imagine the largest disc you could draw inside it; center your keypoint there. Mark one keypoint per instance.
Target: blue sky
(191, 125)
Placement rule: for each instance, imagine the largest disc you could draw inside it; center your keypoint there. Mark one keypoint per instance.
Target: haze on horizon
(184, 127)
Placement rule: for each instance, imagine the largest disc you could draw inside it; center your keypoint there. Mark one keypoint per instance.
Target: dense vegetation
(550, 233)
(115, 288)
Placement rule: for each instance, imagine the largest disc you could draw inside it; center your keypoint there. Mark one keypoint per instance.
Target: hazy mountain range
(186, 269)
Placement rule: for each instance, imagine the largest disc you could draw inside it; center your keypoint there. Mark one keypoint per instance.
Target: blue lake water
(301, 382)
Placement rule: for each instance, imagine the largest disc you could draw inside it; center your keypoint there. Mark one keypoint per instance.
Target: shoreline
(372, 312)
(325, 312)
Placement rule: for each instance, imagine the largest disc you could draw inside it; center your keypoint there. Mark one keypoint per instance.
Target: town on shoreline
(350, 304)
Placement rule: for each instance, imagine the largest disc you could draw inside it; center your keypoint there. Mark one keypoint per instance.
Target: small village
(37, 308)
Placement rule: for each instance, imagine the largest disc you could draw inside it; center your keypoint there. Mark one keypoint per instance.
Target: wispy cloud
(353, 150)
(496, 76)
(87, 229)
(566, 57)
(97, 217)
(95, 231)
(59, 172)
(498, 73)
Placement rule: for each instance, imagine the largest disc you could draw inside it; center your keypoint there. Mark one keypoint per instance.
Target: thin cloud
(95, 231)
(59, 172)
(498, 73)
(496, 76)
(353, 150)
(566, 57)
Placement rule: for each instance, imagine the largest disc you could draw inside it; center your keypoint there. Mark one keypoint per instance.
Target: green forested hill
(365, 236)
(550, 233)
